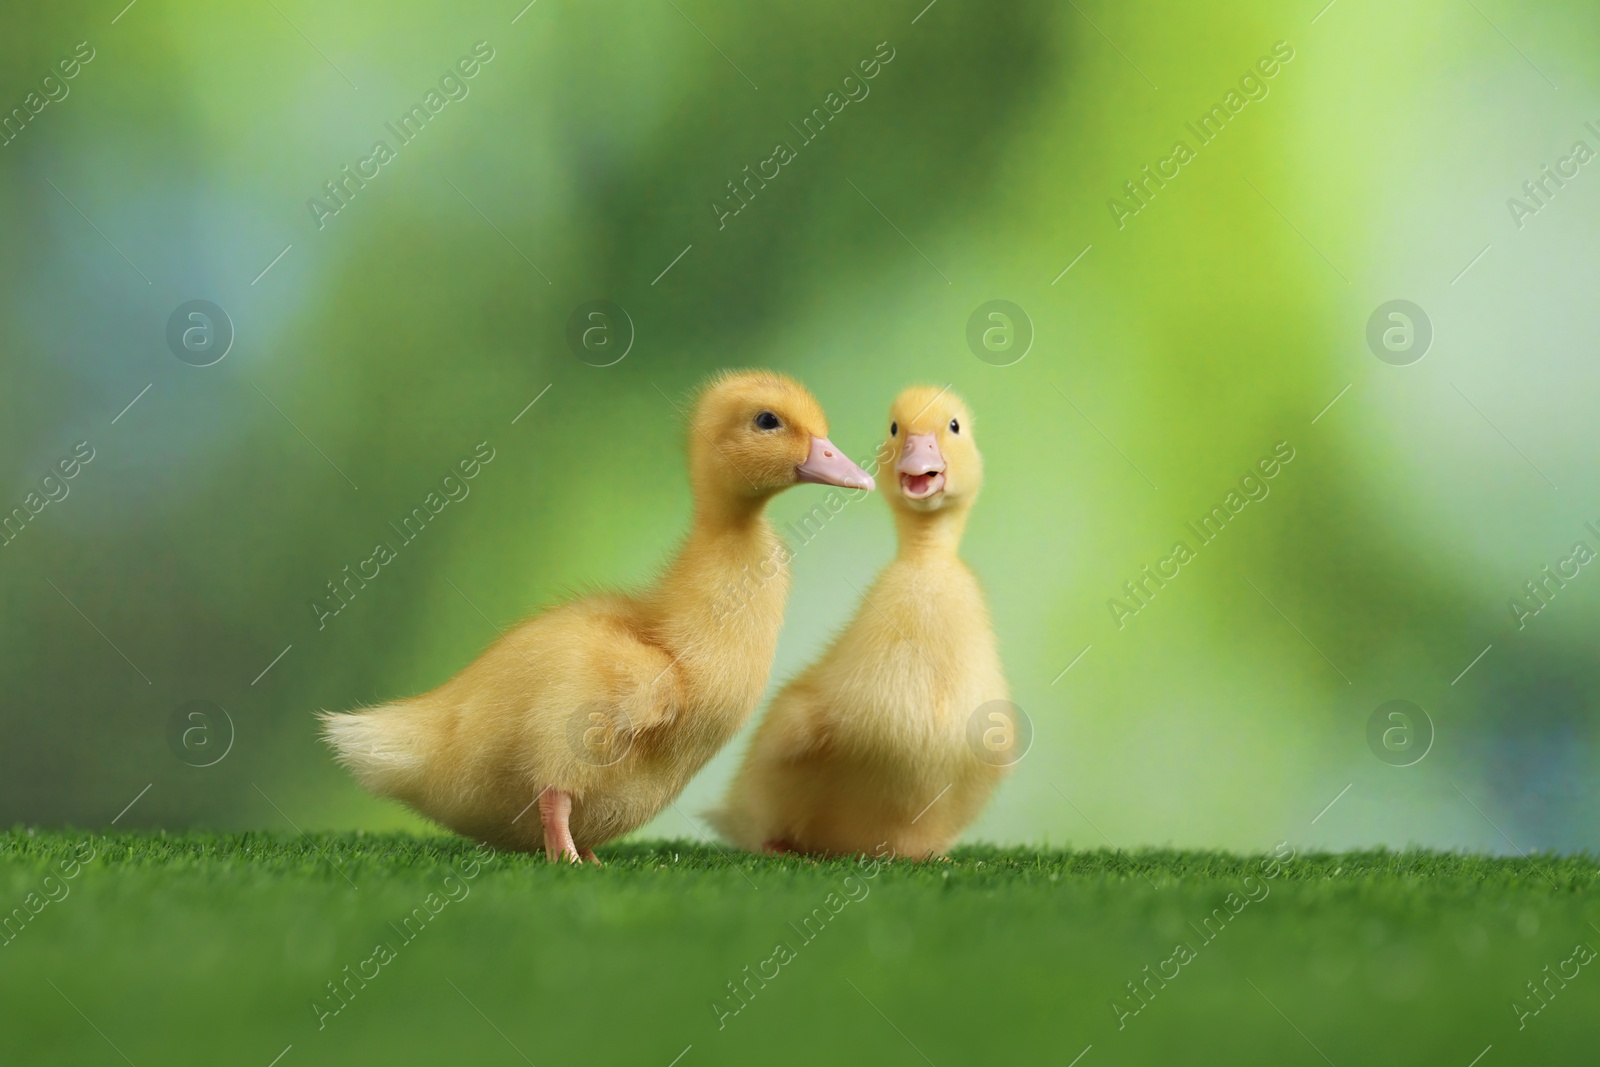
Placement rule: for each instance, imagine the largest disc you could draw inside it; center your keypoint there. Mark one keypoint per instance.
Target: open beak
(826, 465)
(921, 467)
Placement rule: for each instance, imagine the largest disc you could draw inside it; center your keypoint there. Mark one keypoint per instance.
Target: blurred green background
(586, 155)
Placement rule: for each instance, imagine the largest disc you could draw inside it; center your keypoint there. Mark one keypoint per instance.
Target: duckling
(898, 735)
(600, 710)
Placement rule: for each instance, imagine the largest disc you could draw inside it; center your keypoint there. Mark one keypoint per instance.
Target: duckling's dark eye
(955, 427)
(894, 428)
(767, 421)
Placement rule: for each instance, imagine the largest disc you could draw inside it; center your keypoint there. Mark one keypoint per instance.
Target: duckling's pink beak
(826, 465)
(921, 466)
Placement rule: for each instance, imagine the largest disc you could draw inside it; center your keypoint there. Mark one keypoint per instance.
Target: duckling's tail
(383, 748)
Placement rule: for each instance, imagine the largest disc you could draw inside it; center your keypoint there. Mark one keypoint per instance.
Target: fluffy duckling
(600, 710)
(901, 731)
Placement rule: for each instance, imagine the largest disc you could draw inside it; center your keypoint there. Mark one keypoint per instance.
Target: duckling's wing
(626, 687)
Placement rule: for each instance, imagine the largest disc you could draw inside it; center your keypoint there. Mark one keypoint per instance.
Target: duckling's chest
(919, 658)
(934, 608)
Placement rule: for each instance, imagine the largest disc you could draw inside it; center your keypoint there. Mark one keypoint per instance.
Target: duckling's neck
(727, 535)
(719, 604)
(928, 534)
(730, 514)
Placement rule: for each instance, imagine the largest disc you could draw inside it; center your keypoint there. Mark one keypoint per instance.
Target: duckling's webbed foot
(555, 808)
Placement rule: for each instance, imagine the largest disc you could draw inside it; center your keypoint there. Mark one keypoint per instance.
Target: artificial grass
(202, 949)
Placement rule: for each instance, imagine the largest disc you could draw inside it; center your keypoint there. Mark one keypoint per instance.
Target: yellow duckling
(898, 735)
(599, 711)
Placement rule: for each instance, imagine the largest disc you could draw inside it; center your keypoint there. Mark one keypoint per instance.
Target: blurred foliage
(424, 316)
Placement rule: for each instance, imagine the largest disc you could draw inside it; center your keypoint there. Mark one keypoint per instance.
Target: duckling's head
(931, 452)
(756, 433)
